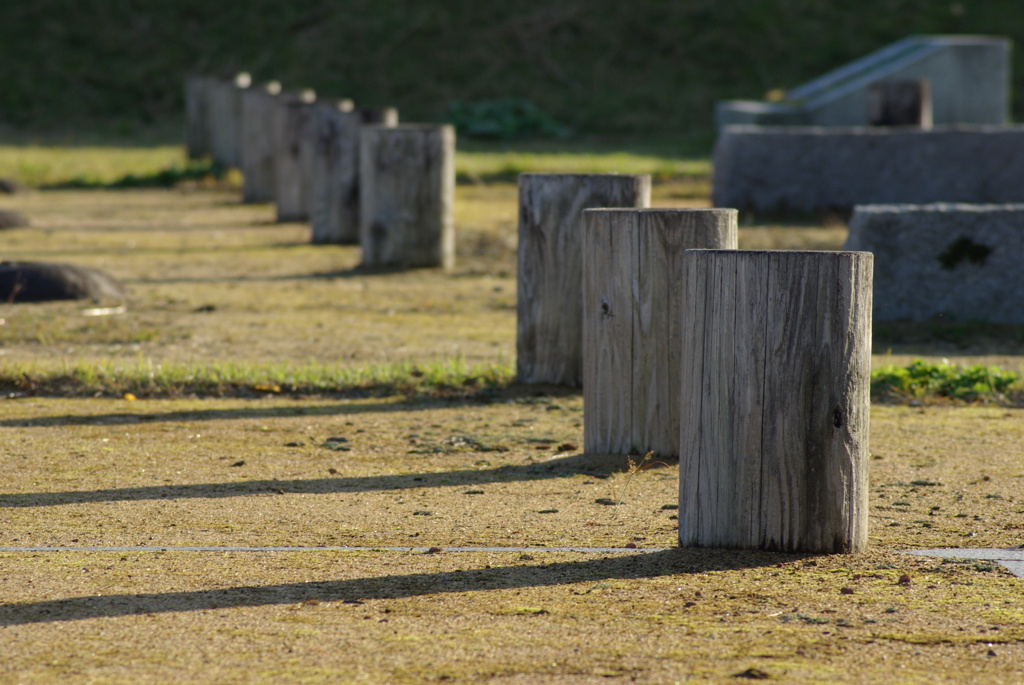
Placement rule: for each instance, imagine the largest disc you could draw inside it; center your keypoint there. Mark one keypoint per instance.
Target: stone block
(952, 262)
(969, 79)
(809, 169)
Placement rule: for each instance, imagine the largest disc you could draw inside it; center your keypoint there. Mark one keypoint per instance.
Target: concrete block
(960, 262)
(968, 76)
(808, 169)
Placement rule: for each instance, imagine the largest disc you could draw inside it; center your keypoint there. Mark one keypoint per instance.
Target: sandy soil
(214, 280)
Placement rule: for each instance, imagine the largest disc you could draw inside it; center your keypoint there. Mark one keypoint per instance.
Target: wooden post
(293, 157)
(197, 116)
(900, 103)
(633, 321)
(335, 203)
(775, 400)
(215, 108)
(257, 146)
(549, 304)
(226, 118)
(407, 191)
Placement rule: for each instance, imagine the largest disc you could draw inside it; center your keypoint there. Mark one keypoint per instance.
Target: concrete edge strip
(1010, 559)
(422, 550)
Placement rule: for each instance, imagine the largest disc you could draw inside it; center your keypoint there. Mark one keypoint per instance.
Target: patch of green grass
(924, 379)
(204, 170)
(142, 378)
(40, 165)
(165, 166)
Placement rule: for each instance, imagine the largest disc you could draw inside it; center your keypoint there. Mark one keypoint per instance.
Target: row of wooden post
(355, 174)
(751, 366)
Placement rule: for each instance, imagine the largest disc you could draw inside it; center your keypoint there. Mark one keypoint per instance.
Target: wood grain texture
(257, 147)
(334, 215)
(218, 113)
(549, 309)
(663, 235)
(637, 361)
(225, 103)
(608, 258)
(407, 190)
(335, 160)
(736, 345)
(293, 157)
(775, 400)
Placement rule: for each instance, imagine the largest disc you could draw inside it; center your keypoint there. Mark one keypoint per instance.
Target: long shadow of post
(132, 418)
(486, 397)
(638, 566)
(589, 464)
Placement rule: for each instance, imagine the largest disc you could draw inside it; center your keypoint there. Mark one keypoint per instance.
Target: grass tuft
(144, 379)
(929, 380)
(88, 166)
(204, 171)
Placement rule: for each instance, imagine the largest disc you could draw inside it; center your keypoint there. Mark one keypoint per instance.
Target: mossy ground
(216, 281)
(90, 472)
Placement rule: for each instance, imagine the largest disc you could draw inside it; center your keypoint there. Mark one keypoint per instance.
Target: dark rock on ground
(10, 219)
(42, 282)
(9, 187)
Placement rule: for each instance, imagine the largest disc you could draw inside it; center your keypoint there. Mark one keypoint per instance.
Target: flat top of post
(816, 253)
(544, 174)
(663, 210)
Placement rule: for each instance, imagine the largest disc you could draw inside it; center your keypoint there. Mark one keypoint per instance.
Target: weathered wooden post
(775, 400)
(335, 204)
(257, 146)
(633, 321)
(197, 116)
(215, 116)
(549, 303)
(407, 192)
(226, 118)
(293, 156)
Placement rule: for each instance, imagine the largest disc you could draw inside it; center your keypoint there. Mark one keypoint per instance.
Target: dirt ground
(214, 280)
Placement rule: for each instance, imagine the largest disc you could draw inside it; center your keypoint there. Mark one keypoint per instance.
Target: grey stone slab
(1014, 567)
(1011, 559)
(957, 262)
(809, 169)
(985, 554)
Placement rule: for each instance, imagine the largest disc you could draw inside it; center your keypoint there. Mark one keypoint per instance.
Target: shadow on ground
(638, 566)
(598, 466)
(525, 394)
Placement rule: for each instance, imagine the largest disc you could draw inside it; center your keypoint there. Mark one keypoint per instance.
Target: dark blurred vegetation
(609, 67)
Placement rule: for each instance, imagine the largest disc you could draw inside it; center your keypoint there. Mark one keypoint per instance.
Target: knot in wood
(606, 308)
(837, 418)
